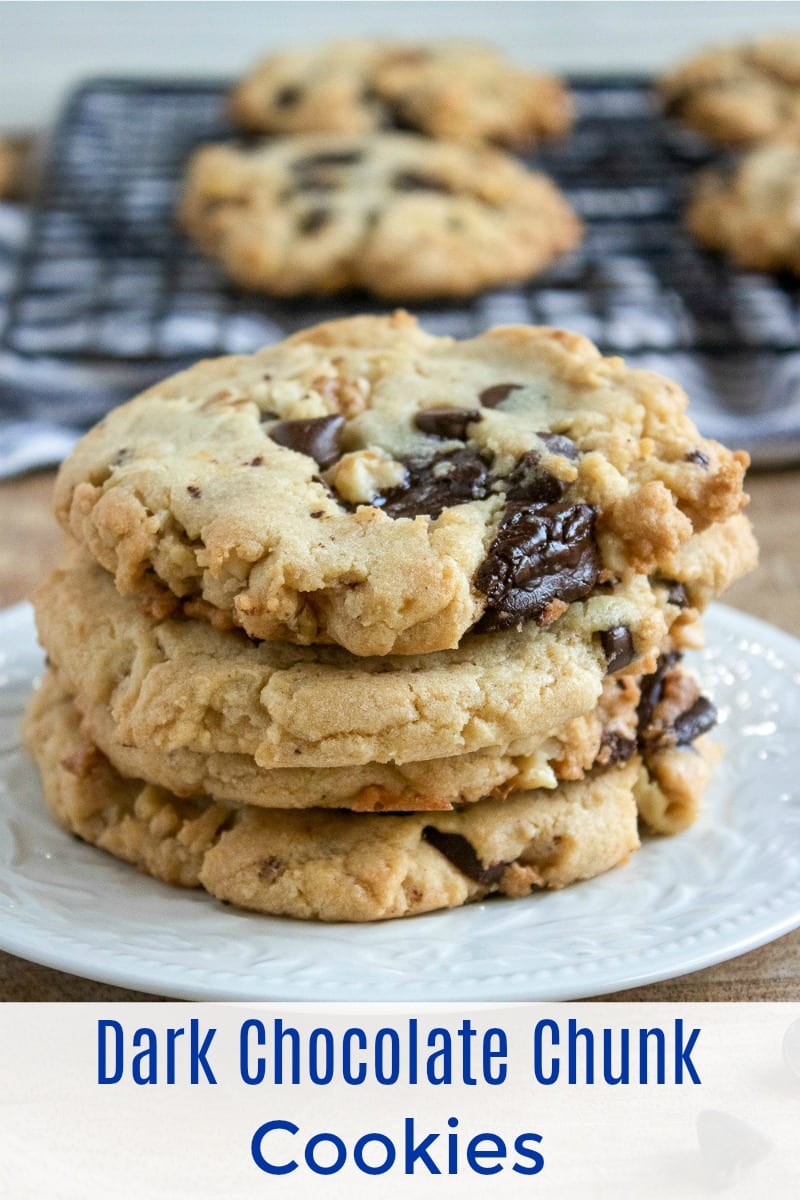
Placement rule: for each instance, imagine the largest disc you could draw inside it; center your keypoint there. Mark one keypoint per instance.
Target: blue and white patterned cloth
(111, 299)
(46, 403)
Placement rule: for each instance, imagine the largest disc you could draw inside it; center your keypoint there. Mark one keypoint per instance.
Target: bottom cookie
(334, 866)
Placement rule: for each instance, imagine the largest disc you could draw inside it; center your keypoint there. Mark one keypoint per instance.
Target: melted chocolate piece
(687, 726)
(318, 437)
(697, 720)
(615, 748)
(269, 868)
(676, 594)
(328, 158)
(461, 853)
(492, 396)
(529, 483)
(313, 221)
(697, 457)
(434, 484)
(651, 691)
(418, 181)
(618, 648)
(288, 96)
(542, 553)
(559, 443)
(447, 422)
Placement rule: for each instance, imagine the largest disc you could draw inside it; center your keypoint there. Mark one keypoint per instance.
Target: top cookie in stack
(366, 484)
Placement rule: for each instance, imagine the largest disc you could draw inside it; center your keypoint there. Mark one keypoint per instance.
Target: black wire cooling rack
(106, 275)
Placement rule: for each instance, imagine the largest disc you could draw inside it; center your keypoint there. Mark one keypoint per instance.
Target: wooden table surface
(29, 543)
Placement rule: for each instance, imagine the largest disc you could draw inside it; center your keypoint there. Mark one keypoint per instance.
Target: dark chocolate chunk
(618, 648)
(318, 437)
(697, 457)
(447, 422)
(418, 181)
(288, 96)
(461, 853)
(697, 720)
(328, 158)
(194, 491)
(676, 594)
(559, 443)
(314, 220)
(542, 553)
(269, 868)
(434, 484)
(529, 483)
(652, 689)
(615, 748)
(257, 461)
(492, 396)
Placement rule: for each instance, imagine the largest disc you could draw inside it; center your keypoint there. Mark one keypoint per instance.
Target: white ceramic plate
(731, 883)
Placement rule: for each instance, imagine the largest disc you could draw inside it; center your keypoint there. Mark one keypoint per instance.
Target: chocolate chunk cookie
(650, 714)
(367, 484)
(739, 95)
(461, 91)
(435, 784)
(396, 214)
(752, 212)
(333, 866)
(179, 687)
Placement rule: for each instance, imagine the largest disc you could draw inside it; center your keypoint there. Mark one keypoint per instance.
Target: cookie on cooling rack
(396, 214)
(460, 91)
(751, 209)
(739, 94)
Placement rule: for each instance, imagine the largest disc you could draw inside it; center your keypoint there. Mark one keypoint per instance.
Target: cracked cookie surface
(462, 91)
(395, 214)
(367, 484)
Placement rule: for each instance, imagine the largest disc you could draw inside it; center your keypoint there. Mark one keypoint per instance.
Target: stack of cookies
(373, 623)
(379, 168)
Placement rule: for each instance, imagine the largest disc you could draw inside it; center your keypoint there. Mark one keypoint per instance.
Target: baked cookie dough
(655, 715)
(174, 684)
(333, 866)
(461, 91)
(741, 94)
(751, 211)
(395, 214)
(367, 484)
